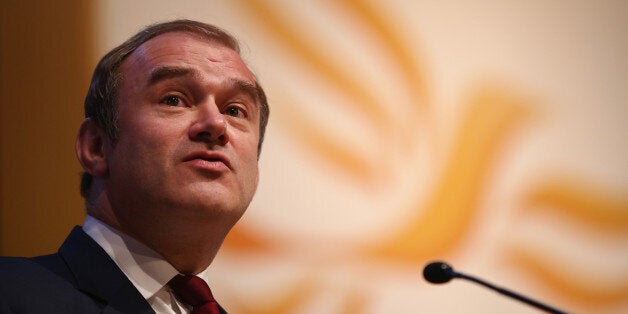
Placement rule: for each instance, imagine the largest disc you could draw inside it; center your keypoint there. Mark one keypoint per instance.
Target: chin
(214, 209)
(213, 201)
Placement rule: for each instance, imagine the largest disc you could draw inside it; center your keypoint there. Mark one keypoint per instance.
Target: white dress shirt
(146, 269)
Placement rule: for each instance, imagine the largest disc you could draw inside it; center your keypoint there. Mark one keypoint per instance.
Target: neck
(189, 246)
(190, 250)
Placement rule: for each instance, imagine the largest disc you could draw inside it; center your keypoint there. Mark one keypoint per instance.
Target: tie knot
(191, 289)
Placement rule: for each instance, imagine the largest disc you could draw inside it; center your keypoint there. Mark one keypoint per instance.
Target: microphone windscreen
(438, 272)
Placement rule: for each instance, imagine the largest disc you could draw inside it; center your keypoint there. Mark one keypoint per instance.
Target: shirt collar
(146, 269)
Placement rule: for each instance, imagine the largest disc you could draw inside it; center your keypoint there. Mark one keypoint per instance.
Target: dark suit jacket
(80, 278)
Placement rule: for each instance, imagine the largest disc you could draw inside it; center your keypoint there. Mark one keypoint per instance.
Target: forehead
(181, 49)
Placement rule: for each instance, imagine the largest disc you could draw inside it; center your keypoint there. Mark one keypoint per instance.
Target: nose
(209, 125)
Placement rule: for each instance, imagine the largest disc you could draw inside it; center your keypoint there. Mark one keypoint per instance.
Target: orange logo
(435, 222)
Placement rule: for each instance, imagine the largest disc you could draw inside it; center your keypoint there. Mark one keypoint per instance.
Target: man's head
(174, 124)
(101, 103)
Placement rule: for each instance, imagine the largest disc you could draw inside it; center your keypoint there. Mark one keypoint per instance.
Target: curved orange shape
(442, 222)
(581, 202)
(362, 98)
(404, 56)
(330, 149)
(558, 281)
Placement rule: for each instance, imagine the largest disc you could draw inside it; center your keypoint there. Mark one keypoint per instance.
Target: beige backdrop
(487, 133)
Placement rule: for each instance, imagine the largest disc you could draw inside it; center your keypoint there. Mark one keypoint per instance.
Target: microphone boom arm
(509, 293)
(440, 272)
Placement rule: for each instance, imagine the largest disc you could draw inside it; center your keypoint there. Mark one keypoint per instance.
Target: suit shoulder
(30, 287)
(20, 274)
(11, 267)
(42, 266)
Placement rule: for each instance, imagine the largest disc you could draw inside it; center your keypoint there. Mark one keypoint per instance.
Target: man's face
(188, 133)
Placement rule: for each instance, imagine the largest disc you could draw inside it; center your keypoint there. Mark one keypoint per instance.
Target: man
(173, 129)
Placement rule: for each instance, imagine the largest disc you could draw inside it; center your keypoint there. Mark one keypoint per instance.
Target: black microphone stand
(441, 272)
(511, 294)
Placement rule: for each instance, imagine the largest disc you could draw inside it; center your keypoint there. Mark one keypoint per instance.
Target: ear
(90, 148)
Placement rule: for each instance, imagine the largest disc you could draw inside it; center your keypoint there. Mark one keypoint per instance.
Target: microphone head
(438, 272)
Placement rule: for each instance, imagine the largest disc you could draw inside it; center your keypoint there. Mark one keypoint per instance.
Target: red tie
(195, 292)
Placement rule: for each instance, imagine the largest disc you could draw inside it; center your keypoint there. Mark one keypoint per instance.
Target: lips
(208, 158)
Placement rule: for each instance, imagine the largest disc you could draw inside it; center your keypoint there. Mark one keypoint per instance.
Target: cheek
(248, 156)
(251, 181)
(145, 145)
(254, 171)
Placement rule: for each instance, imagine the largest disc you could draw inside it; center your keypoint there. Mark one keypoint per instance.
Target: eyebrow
(248, 88)
(163, 73)
(169, 72)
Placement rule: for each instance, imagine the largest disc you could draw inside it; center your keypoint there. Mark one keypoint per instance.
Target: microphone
(440, 272)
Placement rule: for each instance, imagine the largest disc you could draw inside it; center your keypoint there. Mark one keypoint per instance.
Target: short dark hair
(101, 100)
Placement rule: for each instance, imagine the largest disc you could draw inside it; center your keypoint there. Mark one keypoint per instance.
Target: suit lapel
(96, 274)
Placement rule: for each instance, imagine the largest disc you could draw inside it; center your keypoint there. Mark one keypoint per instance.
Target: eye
(172, 101)
(233, 111)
